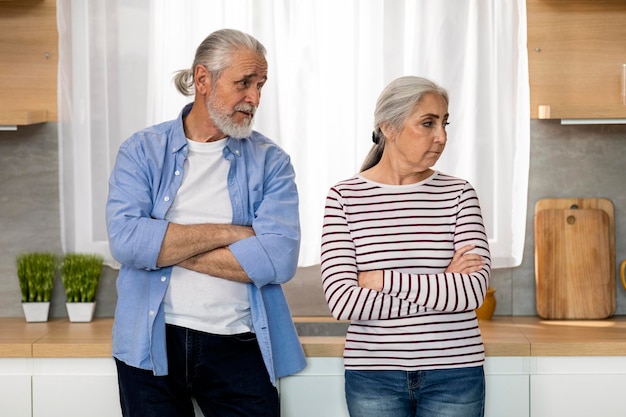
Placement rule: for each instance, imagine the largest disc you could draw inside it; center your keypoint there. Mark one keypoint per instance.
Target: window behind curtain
(328, 61)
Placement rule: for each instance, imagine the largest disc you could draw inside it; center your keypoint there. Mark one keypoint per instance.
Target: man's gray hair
(215, 53)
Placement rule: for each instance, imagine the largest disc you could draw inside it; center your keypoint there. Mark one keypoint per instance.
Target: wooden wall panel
(28, 61)
(576, 49)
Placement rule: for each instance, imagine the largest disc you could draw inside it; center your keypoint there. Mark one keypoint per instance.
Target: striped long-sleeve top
(423, 318)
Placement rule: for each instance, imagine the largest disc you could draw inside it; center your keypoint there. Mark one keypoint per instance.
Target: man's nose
(253, 96)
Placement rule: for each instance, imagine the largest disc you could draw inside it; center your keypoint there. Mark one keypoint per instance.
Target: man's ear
(201, 79)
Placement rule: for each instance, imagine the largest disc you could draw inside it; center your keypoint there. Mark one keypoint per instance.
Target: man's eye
(445, 124)
(428, 124)
(244, 83)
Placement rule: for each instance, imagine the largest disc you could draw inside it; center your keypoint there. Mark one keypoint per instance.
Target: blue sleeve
(271, 257)
(135, 237)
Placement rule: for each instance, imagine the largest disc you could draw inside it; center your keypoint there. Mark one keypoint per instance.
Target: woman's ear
(388, 130)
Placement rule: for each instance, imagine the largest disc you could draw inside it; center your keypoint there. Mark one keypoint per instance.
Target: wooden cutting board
(575, 258)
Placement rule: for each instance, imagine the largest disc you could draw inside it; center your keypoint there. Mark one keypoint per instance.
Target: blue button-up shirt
(143, 184)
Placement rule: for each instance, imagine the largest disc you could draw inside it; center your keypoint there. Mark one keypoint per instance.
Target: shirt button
(163, 279)
(177, 173)
(237, 152)
(152, 312)
(166, 199)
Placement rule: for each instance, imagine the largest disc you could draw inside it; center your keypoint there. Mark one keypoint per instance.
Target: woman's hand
(371, 279)
(464, 262)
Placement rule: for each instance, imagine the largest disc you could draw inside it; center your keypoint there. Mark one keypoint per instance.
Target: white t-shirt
(195, 300)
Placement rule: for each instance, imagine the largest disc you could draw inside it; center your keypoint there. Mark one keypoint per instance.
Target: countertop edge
(507, 336)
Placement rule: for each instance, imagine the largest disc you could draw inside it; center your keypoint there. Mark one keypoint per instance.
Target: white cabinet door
(317, 391)
(507, 395)
(75, 388)
(578, 386)
(15, 396)
(507, 387)
(15, 387)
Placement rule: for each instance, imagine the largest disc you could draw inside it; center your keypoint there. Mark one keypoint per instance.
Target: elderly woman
(405, 258)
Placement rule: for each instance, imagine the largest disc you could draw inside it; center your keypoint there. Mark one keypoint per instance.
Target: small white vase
(35, 312)
(80, 312)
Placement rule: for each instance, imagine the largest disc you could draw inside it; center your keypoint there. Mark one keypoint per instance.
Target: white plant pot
(80, 312)
(36, 311)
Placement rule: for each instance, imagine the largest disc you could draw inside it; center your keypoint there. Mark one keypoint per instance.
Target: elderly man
(202, 213)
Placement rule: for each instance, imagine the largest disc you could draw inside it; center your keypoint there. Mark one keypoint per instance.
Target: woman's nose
(441, 135)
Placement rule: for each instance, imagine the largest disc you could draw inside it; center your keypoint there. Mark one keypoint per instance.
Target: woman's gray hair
(215, 53)
(395, 104)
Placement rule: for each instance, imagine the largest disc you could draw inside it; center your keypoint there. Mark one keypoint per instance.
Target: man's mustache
(246, 108)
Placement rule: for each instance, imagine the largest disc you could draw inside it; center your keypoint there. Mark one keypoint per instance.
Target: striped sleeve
(345, 298)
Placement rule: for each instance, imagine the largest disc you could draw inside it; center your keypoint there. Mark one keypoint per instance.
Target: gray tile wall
(566, 161)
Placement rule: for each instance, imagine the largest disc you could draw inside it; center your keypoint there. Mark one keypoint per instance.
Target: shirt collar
(234, 145)
(180, 140)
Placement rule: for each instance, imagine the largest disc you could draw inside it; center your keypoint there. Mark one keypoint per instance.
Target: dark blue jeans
(437, 393)
(225, 374)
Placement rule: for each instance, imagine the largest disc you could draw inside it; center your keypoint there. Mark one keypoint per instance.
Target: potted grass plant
(36, 272)
(80, 274)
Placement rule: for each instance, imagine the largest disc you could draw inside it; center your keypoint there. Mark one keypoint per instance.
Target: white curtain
(328, 61)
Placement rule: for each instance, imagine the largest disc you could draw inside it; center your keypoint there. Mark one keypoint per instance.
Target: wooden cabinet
(576, 52)
(28, 62)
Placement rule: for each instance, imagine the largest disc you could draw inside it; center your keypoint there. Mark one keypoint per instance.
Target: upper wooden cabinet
(576, 50)
(28, 62)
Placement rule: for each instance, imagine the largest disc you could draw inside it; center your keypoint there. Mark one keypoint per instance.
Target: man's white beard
(225, 123)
